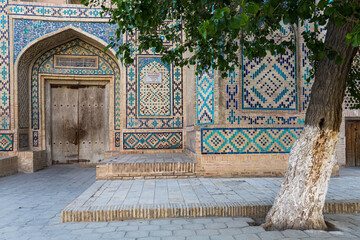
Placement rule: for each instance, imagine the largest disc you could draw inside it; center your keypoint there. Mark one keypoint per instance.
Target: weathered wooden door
(91, 123)
(78, 123)
(352, 142)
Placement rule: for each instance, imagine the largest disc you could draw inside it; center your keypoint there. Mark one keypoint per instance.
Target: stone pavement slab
(197, 197)
(31, 204)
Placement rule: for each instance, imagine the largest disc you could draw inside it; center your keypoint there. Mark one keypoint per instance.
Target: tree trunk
(300, 201)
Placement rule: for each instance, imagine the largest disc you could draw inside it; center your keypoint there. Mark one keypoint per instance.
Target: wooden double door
(78, 123)
(352, 135)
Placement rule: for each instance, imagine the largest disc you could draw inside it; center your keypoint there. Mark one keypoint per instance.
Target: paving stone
(173, 238)
(113, 235)
(96, 224)
(93, 236)
(71, 226)
(119, 223)
(39, 238)
(239, 224)
(247, 237)
(149, 238)
(127, 228)
(207, 232)
(230, 231)
(181, 221)
(317, 233)
(82, 231)
(215, 225)
(255, 229)
(222, 238)
(294, 234)
(171, 227)
(139, 223)
(270, 235)
(104, 229)
(149, 227)
(64, 237)
(137, 234)
(160, 233)
(184, 233)
(194, 226)
(198, 238)
(160, 221)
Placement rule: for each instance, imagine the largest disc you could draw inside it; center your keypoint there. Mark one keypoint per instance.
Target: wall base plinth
(31, 161)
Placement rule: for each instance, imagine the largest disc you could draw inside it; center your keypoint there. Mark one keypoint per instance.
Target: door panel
(91, 123)
(64, 118)
(357, 143)
(352, 133)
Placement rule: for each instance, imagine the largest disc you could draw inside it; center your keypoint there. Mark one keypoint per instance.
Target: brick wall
(8, 165)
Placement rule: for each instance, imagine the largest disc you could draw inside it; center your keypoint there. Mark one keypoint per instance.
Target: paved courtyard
(31, 204)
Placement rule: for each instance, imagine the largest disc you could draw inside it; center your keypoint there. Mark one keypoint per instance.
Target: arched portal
(77, 67)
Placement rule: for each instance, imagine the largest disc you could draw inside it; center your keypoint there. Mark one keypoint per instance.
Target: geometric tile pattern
(117, 139)
(5, 116)
(248, 140)
(269, 83)
(133, 120)
(23, 140)
(54, 11)
(35, 138)
(6, 142)
(154, 98)
(29, 30)
(45, 64)
(260, 119)
(306, 66)
(159, 140)
(205, 98)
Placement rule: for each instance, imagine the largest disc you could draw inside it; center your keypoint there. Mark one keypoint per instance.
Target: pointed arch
(28, 102)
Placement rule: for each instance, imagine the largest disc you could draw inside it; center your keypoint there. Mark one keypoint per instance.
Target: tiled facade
(237, 124)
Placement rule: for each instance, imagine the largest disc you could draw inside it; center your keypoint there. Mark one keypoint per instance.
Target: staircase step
(146, 166)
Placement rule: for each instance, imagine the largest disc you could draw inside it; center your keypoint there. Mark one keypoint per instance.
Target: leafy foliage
(214, 29)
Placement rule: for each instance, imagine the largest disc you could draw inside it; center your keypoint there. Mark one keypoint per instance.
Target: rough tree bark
(300, 201)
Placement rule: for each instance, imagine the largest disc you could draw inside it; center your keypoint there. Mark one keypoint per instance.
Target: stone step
(184, 198)
(146, 166)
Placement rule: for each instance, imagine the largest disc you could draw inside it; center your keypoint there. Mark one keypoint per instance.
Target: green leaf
(239, 21)
(203, 29)
(252, 8)
(355, 40)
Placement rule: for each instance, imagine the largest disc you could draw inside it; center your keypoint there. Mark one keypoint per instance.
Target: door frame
(45, 95)
(348, 162)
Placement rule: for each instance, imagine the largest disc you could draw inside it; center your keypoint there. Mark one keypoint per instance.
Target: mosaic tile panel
(35, 138)
(133, 121)
(5, 115)
(160, 140)
(265, 120)
(117, 139)
(248, 140)
(54, 11)
(44, 64)
(23, 140)
(30, 30)
(174, 121)
(305, 69)
(6, 142)
(269, 83)
(155, 99)
(205, 98)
